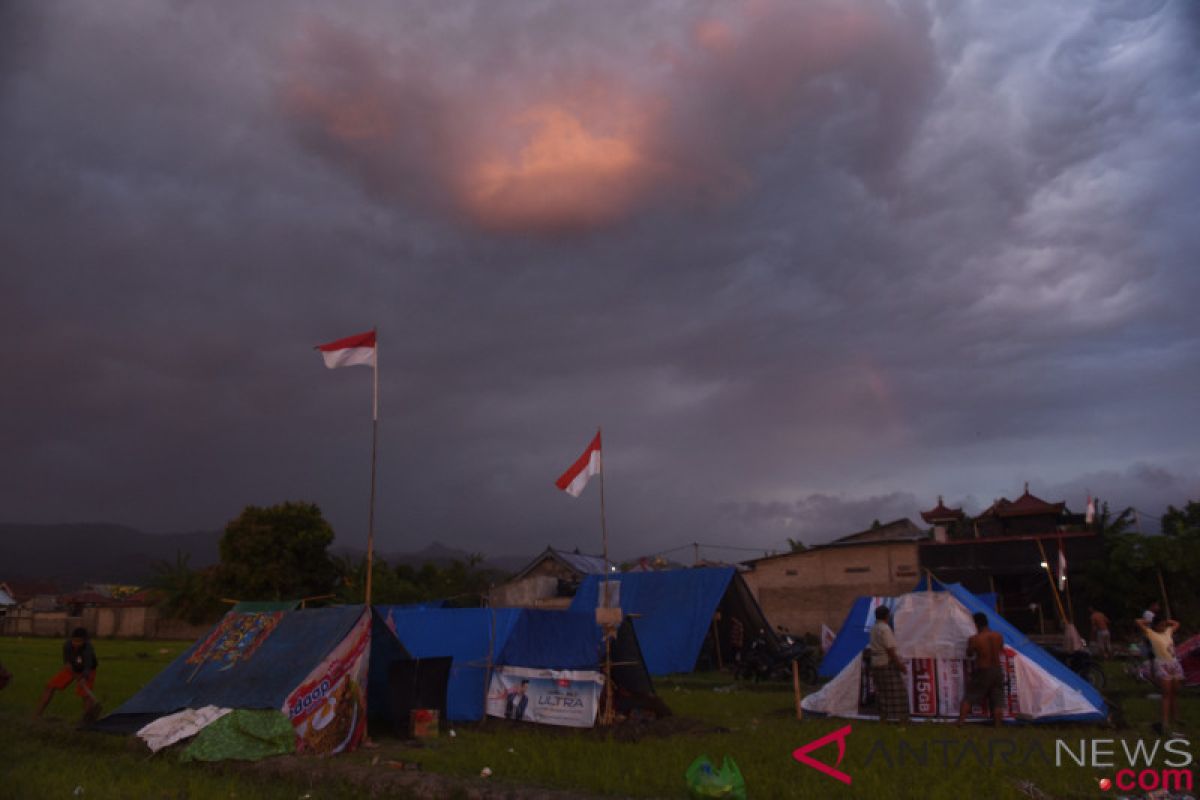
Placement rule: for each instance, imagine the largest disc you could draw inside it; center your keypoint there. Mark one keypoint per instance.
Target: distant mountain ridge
(76, 553)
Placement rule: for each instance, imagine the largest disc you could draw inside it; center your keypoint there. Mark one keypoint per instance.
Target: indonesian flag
(1062, 566)
(358, 350)
(576, 477)
(1089, 516)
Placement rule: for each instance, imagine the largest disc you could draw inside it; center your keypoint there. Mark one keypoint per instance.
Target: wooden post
(1062, 613)
(487, 670)
(796, 688)
(717, 640)
(609, 712)
(1162, 587)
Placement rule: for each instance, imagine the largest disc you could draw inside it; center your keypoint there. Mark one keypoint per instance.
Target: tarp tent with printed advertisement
(494, 650)
(852, 637)
(311, 665)
(675, 611)
(932, 625)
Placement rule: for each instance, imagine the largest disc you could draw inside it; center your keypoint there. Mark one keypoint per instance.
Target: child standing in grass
(79, 667)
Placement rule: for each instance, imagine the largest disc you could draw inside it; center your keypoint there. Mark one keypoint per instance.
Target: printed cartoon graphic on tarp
(235, 639)
(328, 710)
(551, 697)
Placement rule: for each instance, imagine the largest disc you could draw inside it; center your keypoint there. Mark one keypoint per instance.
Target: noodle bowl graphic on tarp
(331, 727)
(327, 710)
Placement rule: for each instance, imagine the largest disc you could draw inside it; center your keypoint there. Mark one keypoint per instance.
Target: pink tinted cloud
(573, 149)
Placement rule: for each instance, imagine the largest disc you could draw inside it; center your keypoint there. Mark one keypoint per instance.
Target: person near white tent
(886, 669)
(987, 680)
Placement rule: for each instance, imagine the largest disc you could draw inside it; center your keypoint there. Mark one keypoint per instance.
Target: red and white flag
(357, 350)
(576, 477)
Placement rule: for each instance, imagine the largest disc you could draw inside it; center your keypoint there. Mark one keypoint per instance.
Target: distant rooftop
(580, 563)
(898, 530)
(940, 513)
(1026, 505)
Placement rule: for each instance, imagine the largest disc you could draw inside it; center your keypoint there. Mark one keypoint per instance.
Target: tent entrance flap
(413, 684)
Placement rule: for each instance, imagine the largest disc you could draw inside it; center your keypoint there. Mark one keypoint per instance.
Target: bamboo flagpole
(361, 350)
(374, 450)
(573, 482)
(609, 631)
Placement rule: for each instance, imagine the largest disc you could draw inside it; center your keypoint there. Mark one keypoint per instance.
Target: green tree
(462, 582)
(796, 546)
(277, 553)
(188, 594)
(1127, 577)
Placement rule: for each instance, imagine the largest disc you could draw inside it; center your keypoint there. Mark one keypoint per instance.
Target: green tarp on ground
(243, 735)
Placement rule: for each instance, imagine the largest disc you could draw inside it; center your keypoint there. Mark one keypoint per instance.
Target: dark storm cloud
(809, 264)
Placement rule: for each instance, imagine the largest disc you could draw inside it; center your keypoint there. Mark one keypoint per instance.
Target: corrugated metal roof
(587, 565)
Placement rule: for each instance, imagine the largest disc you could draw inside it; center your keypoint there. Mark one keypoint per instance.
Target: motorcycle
(764, 663)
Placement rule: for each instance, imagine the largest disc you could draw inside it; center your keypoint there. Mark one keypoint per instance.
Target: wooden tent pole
(796, 688)
(1062, 613)
(717, 641)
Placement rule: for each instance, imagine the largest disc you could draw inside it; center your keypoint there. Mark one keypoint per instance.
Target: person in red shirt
(79, 668)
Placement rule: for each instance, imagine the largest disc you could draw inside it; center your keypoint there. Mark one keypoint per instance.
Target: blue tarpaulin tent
(471, 636)
(935, 620)
(1026, 647)
(252, 661)
(856, 629)
(475, 637)
(674, 610)
(852, 637)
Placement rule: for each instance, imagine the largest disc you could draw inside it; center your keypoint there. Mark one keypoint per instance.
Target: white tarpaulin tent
(932, 625)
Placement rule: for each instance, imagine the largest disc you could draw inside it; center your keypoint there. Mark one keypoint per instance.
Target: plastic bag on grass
(704, 780)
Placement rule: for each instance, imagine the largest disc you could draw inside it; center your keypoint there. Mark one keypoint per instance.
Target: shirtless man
(988, 679)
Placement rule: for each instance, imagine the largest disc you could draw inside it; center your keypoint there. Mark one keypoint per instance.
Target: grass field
(756, 726)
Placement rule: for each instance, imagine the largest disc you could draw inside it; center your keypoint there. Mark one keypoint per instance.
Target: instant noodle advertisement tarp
(312, 665)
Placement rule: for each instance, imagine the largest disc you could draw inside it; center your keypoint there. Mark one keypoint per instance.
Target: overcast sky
(808, 263)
